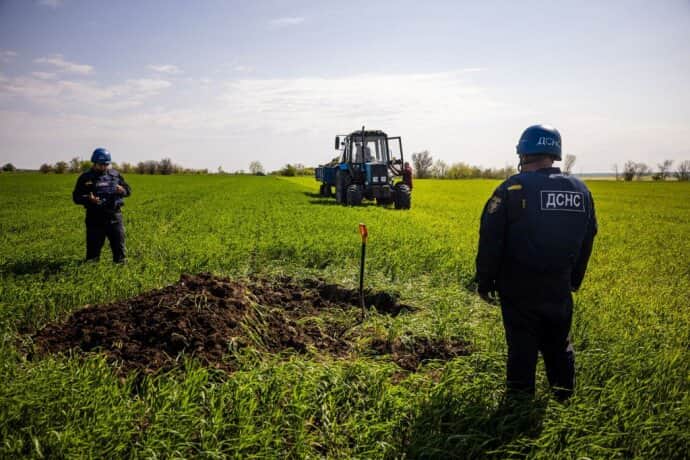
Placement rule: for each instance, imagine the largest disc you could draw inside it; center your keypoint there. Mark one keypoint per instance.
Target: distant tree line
(425, 167)
(164, 167)
(290, 170)
(636, 170)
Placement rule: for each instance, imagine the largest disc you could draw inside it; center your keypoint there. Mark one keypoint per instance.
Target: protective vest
(104, 187)
(548, 218)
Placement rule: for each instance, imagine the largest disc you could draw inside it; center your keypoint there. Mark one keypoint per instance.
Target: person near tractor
(407, 175)
(101, 190)
(362, 153)
(535, 240)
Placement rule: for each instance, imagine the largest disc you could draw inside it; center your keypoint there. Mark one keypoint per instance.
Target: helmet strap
(527, 159)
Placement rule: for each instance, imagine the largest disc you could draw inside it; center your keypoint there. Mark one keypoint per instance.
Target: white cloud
(79, 97)
(44, 75)
(7, 55)
(294, 103)
(286, 21)
(147, 86)
(278, 121)
(243, 68)
(65, 66)
(165, 68)
(273, 120)
(51, 3)
(133, 92)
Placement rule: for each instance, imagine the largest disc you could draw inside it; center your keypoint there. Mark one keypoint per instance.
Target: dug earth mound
(213, 319)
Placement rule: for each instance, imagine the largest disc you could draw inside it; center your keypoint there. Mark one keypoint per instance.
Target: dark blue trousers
(100, 227)
(534, 326)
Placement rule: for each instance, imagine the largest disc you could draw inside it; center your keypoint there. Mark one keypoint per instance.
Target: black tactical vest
(548, 217)
(104, 187)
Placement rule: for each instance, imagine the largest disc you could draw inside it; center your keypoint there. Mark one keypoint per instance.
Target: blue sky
(221, 83)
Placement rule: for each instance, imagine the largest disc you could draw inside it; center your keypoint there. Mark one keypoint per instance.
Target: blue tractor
(366, 168)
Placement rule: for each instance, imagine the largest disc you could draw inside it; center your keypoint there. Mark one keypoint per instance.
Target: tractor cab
(365, 149)
(369, 164)
(361, 147)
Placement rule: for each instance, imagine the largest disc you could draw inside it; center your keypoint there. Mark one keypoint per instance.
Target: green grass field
(631, 328)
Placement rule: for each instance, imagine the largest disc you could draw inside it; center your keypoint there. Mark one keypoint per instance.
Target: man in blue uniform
(535, 240)
(101, 191)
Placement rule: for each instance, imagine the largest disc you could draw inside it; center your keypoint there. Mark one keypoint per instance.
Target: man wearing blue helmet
(101, 190)
(535, 239)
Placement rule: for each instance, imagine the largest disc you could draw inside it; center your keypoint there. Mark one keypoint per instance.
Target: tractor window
(395, 150)
(372, 150)
(348, 153)
(362, 152)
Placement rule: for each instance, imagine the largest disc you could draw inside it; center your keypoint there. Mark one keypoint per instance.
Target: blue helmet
(540, 140)
(100, 155)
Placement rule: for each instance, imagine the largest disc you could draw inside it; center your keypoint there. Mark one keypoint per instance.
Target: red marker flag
(363, 233)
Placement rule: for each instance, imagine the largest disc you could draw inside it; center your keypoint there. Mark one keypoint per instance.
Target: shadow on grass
(330, 201)
(325, 202)
(315, 195)
(464, 429)
(36, 266)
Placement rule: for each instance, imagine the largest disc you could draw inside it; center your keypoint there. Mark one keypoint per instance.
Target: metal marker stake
(364, 234)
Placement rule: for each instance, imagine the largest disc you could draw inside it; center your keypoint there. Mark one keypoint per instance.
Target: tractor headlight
(374, 179)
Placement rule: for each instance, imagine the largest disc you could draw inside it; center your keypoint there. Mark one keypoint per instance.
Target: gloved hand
(487, 291)
(490, 297)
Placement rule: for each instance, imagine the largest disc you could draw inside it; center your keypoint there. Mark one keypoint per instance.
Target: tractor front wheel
(403, 197)
(354, 195)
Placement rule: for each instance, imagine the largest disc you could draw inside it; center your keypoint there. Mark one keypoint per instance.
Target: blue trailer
(326, 175)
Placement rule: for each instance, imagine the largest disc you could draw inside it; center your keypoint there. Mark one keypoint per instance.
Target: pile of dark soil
(208, 317)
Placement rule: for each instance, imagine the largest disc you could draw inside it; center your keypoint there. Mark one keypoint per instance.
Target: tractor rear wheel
(342, 181)
(354, 195)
